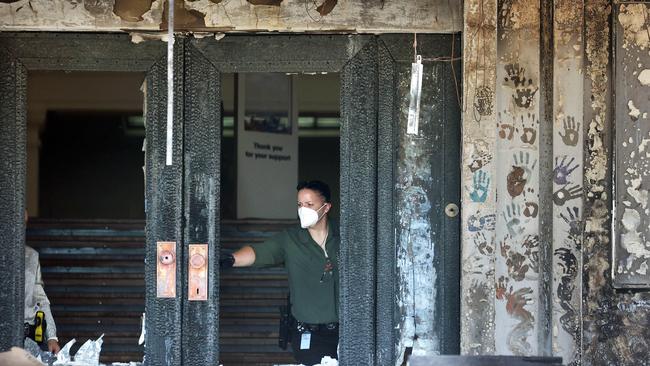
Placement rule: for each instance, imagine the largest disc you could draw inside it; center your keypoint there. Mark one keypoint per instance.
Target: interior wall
(318, 155)
(109, 93)
(96, 92)
(319, 158)
(90, 167)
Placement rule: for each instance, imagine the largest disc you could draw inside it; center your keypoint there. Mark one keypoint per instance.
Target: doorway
(303, 133)
(182, 200)
(23, 56)
(85, 200)
(366, 137)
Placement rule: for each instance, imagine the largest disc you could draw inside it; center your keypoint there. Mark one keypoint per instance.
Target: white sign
(267, 146)
(415, 93)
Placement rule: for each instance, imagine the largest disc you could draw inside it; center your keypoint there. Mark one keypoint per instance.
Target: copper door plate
(198, 272)
(166, 269)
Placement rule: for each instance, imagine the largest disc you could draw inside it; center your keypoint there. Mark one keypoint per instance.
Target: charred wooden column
(13, 121)
(358, 206)
(20, 53)
(202, 157)
(386, 315)
(164, 211)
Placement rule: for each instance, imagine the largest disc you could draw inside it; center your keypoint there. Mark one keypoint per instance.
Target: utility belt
(36, 331)
(324, 327)
(288, 324)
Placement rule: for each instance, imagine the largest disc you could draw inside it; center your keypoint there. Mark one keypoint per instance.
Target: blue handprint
(480, 186)
(477, 223)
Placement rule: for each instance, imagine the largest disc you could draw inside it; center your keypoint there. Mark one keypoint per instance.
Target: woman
(310, 255)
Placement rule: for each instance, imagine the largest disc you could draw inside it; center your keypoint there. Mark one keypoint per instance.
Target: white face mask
(309, 217)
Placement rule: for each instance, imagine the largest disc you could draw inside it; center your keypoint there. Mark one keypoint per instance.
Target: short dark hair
(316, 185)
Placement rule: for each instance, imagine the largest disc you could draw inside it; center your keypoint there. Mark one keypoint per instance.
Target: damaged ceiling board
(426, 16)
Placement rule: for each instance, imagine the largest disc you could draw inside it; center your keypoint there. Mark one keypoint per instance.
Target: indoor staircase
(94, 276)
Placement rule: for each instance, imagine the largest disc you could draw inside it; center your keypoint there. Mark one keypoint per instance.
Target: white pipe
(170, 82)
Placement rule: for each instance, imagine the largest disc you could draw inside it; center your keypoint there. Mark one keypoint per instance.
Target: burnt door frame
(429, 172)
(370, 107)
(176, 212)
(22, 52)
(367, 138)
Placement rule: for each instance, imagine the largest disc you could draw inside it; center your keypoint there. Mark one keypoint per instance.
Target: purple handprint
(563, 169)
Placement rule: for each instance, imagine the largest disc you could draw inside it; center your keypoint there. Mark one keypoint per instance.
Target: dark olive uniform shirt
(314, 292)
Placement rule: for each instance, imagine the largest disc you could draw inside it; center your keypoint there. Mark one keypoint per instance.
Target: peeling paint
(632, 18)
(131, 11)
(592, 322)
(631, 244)
(183, 18)
(615, 331)
(57, 15)
(326, 7)
(644, 77)
(219, 16)
(634, 111)
(265, 2)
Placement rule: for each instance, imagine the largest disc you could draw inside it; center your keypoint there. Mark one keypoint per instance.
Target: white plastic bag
(63, 356)
(88, 353)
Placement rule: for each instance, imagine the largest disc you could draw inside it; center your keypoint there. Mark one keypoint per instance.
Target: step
(94, 275)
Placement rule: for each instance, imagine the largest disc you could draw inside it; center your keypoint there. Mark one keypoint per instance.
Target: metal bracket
(198, 272)
(166, 269)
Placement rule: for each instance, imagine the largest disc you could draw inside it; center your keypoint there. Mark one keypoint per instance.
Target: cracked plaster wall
(501, 206)
(568, 164)
(518, 316)
(589, 321)
(427, 16)
(478, 211)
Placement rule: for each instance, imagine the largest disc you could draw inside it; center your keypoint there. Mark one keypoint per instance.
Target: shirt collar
(332, 231)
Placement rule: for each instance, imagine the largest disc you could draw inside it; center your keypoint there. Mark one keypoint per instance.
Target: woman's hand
(53, 346)
(244, 257)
